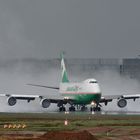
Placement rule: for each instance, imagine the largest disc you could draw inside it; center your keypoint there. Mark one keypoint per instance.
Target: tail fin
(64, 72)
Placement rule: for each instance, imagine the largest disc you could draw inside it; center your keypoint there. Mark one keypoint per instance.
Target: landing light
(66, 98)
(93, 103)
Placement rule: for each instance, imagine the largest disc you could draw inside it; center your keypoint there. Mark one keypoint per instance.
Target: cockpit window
(93, 82)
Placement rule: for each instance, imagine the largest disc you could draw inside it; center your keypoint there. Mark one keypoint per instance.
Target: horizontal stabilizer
(44, 86)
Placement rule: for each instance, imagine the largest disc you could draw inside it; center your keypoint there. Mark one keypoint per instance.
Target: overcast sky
(81, 28)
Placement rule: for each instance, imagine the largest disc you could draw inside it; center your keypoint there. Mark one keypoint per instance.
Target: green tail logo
(64, 72)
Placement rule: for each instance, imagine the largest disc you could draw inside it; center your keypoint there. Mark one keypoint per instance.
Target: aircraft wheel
(95, 109)
(99, 109)
(91, 109)
(83, 108)
(62, 109)
(72, 108)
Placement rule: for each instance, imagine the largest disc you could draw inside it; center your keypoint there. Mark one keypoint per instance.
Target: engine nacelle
(122, 103)
(45, 103)
(11, 101)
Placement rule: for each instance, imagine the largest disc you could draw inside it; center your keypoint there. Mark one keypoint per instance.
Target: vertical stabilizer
(64, 72)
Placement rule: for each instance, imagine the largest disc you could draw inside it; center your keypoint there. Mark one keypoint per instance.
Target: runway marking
(14, 126)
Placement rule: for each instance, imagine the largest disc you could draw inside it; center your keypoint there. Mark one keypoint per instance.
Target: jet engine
(11, 101)
(45, 103)
(122, 103)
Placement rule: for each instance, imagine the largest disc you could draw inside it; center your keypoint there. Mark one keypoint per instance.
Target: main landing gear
(79, 107)
(83, 108)
(72, 108)
(62, 109)
(95, 109)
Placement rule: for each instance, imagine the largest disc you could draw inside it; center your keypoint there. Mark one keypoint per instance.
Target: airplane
(77, 94)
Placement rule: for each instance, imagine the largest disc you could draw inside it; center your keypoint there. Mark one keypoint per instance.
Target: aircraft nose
(97, 88)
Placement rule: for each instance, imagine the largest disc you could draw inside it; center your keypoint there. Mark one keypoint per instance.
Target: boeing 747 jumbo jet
(77, 95)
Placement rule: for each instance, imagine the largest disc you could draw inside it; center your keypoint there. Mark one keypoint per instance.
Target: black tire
(91, 109)
(95, 109)
(62, 109)
(99, 109)
(83, 108)
(72, 108)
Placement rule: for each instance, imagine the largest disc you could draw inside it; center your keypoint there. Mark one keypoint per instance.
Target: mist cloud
(13, 80)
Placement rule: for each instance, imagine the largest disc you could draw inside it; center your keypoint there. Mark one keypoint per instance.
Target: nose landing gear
(95, 107)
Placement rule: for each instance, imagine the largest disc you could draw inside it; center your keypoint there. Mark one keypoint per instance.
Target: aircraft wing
(57, 88)
(12, 99)
(109, 98)
(21, 97)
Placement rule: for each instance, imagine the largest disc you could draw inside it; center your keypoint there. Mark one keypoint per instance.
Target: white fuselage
(89, 86)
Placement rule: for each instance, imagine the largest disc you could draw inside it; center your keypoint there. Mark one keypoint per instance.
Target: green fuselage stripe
(84, 98)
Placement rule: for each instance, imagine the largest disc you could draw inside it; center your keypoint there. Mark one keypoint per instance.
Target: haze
(14, 80)
(41, 29)
(83, 29)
